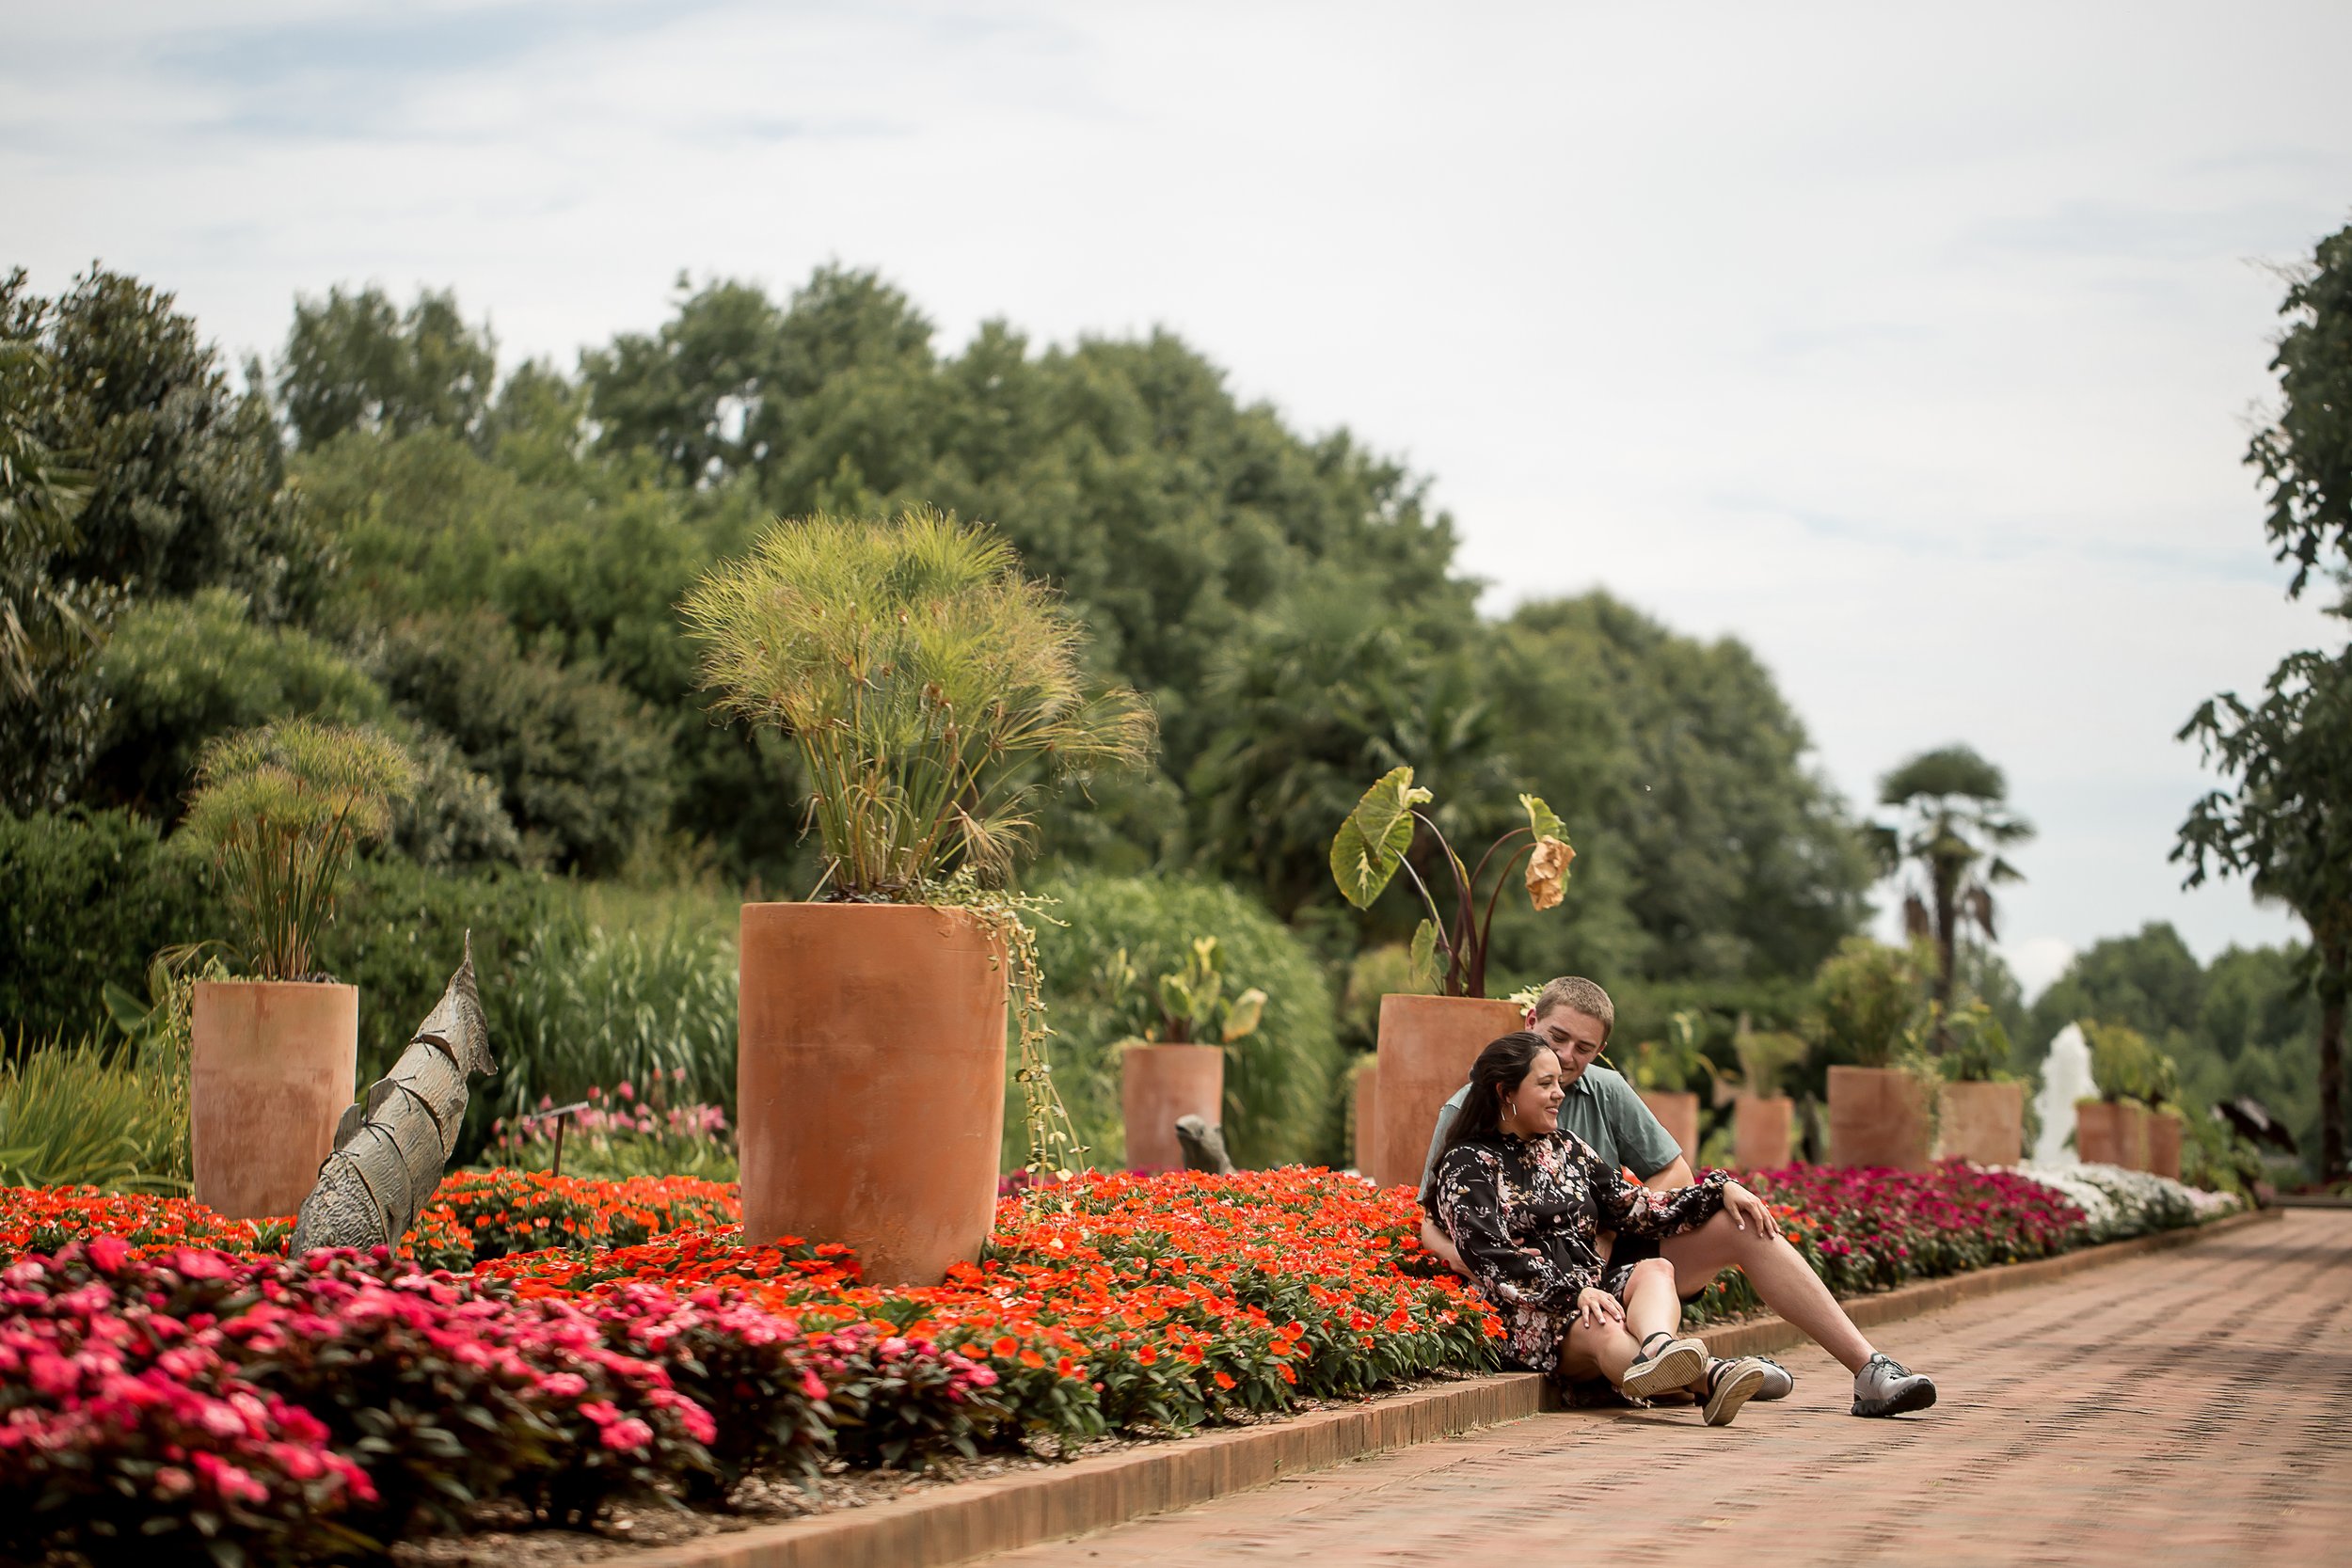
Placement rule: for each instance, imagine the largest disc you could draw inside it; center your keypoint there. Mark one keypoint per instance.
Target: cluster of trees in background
(387, 526)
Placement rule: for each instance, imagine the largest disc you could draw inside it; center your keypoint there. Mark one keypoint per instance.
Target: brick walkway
(2182, 1407)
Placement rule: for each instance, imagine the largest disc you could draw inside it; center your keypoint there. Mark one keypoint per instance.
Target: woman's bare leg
(1651, 1305)
(1603, 1352)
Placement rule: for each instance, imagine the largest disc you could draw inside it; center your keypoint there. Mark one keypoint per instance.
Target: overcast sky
(1915, 347)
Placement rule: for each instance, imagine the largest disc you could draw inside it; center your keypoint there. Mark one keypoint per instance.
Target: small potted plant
(930, 689)
(1982, 1105)
(1427, 1042)
(1763, 1117)
(273, 1057)
(1176, 1067)
(1666, 1074)
(1870, 1003)
(2111, 1127)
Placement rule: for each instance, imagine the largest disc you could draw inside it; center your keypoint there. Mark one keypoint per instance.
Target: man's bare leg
(1781, 1278)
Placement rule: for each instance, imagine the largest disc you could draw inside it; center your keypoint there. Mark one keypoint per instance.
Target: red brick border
(955, 1523)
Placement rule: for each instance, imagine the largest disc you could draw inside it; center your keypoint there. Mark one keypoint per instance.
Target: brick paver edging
(955, 1523)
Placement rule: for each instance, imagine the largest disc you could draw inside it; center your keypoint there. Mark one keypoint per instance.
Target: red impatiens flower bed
(1866, 1231)
(173, 1387)
(372, 1398)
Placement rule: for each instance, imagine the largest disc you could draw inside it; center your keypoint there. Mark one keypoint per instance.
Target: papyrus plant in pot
(1427, 1042)
(932, 691)
(279, 812)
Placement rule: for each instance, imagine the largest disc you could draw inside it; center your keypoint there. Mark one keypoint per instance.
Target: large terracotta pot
(2164, 1145)
(2132, 1129)
(1427, 1044)
(1156, 1084)
(271, 1066)
(1760, 1131)
(1678, 1112)
(1877, 1116)
(1984, 1122)
(1367, 1113)
(870, 1082)
(2099, 1132)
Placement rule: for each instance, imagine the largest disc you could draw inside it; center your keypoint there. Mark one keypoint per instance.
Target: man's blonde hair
(1579, 995)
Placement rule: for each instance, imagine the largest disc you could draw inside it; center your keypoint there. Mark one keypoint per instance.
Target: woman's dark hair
(1497, 1073)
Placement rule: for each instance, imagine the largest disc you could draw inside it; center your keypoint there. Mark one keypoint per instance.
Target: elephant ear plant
(1375, 843)
(280, 810)
(933, 690)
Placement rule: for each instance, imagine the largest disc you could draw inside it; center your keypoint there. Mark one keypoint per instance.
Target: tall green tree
(357, 361)
(188, 478)
(50, 623)
(1954, 824)
(1678, 763)
(2286, 825)
(2305, 454)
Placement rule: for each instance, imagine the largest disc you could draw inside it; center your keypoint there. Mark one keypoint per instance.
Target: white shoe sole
(1678, 1366)
(1732, 1390)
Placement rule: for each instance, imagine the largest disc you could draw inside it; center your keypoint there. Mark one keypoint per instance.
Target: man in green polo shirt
(1576, 1016)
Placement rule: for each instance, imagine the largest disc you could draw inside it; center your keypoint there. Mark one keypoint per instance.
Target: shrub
(1869, 999)
(1283, 1082)
(580, 765)
(86, 899)
(179, 673)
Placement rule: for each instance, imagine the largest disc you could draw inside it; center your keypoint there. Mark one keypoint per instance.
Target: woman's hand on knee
(1597, 1309)
(1748, 1211)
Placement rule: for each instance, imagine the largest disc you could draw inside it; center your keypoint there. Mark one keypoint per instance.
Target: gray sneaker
(1886, 1386)
(1779, 1381)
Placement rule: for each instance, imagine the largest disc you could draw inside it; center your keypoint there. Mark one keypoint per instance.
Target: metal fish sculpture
(392, 1148)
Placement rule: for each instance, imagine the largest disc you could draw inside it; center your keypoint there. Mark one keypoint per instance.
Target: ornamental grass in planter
(1427, 1042)
(930, 689)
(279, 809)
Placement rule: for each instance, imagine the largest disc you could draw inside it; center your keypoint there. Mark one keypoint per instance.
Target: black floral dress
(1498, 1196)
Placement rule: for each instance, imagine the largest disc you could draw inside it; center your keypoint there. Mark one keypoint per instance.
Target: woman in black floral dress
(1524, 1200)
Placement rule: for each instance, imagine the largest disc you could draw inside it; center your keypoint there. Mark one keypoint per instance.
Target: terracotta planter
(1760, 1131)
(870, 1082)
(2133, 1130)
(271, 1066)
(1367, 1113)
(1877, 1116)
(1984, 1122)
(2164, 1145)
(1678, 1112)
(1427, 1044)
(2099, 1135)
(1156, 1084)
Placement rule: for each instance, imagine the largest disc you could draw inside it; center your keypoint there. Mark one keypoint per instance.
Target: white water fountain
(2065, 1078)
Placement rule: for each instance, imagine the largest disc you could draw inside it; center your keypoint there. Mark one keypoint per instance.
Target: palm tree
(1954, 824)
